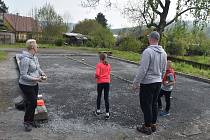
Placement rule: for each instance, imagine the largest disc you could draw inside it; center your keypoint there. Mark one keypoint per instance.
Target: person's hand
(165, 83)
(135, 87)
(44, 76)
(38, 79)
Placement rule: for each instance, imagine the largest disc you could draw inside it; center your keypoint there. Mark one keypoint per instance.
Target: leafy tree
(3, 7)
(51, 23)
(199, 43)
(97, 34)
(177, 39)
(183, 40)
(101, 19)
(86, 26)
(102, 37)
(129, 43)
(154, 13)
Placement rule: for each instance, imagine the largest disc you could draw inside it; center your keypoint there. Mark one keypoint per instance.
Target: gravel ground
(70, 95)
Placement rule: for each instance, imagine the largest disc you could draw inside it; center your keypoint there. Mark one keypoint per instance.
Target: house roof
(22, 24)
(77, 35)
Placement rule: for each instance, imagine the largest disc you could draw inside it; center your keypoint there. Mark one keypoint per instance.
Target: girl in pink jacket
(102, 76)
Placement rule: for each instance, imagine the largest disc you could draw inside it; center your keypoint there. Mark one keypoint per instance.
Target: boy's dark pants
(167, 95)
(100, 88)
(148, 101)
(30, 96)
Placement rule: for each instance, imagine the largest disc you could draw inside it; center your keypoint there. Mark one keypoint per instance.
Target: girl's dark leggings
(100, 88)
(30, 97)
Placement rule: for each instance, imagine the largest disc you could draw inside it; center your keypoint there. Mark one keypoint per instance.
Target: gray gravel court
(70, 95)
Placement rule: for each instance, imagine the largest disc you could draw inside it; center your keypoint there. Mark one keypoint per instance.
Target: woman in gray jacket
(30, 75)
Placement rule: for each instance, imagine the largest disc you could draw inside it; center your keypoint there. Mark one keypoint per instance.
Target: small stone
(10, 108)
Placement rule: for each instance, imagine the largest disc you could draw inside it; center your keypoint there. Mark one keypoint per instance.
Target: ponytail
(105, 62)
(102, 57)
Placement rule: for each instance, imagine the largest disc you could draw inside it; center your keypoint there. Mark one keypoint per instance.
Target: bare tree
(154, 13)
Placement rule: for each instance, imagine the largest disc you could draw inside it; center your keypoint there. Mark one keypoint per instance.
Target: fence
(7, 38)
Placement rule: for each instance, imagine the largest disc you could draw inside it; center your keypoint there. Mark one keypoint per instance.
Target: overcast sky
(73, 11)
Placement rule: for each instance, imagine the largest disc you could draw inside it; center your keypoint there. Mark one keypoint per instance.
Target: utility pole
(16, 20)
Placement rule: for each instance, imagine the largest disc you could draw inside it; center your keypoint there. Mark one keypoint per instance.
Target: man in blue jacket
(149, 77)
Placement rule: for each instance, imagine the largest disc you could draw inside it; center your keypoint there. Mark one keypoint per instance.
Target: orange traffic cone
(41, 110)
(40, 102)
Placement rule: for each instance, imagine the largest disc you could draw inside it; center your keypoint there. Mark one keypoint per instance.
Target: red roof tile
(21, 23)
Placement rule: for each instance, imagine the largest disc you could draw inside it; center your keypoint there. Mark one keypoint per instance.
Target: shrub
(130, 44)
(59, 42)
(177, 47)
(97, 34)
(102, 38)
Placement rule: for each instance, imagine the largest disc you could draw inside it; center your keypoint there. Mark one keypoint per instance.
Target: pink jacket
(103, 73)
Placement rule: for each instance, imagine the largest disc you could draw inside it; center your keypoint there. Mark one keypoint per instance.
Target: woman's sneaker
(35, 124)
(27, 127)
(107, 116)
(164, 113)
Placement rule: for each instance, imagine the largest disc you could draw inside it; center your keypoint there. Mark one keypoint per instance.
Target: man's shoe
(144, 129)
(107, 116)
(164, 113)
(153, 127)
(35, 124)
(27, 127)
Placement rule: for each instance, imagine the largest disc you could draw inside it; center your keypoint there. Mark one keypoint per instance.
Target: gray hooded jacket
(152, 66)
(29, 69)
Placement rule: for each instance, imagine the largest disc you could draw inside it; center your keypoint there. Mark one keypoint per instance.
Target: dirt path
(70, 99)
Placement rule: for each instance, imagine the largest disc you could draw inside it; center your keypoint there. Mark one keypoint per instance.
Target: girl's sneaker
(97, 112)
(107, 116)
(164, 113)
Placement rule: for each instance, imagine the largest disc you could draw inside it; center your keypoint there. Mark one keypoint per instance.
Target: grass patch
(3, 55)
(121, 54)
(199, 59)
(188, 69)
(23, 45)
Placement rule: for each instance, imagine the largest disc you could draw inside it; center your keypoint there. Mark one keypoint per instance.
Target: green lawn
(180, 67)
(188, 69)
(121, 54)
(199, 59)
(22, 45)
(3, 55)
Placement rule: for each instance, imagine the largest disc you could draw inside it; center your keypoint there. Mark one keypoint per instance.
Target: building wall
(21, 36)
(7, 38)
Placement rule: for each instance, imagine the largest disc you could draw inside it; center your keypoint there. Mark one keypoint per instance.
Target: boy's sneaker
(164, 113)
(144, 129)
(160, 108)
(27, 127)
(107, 116)
(97, 112)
